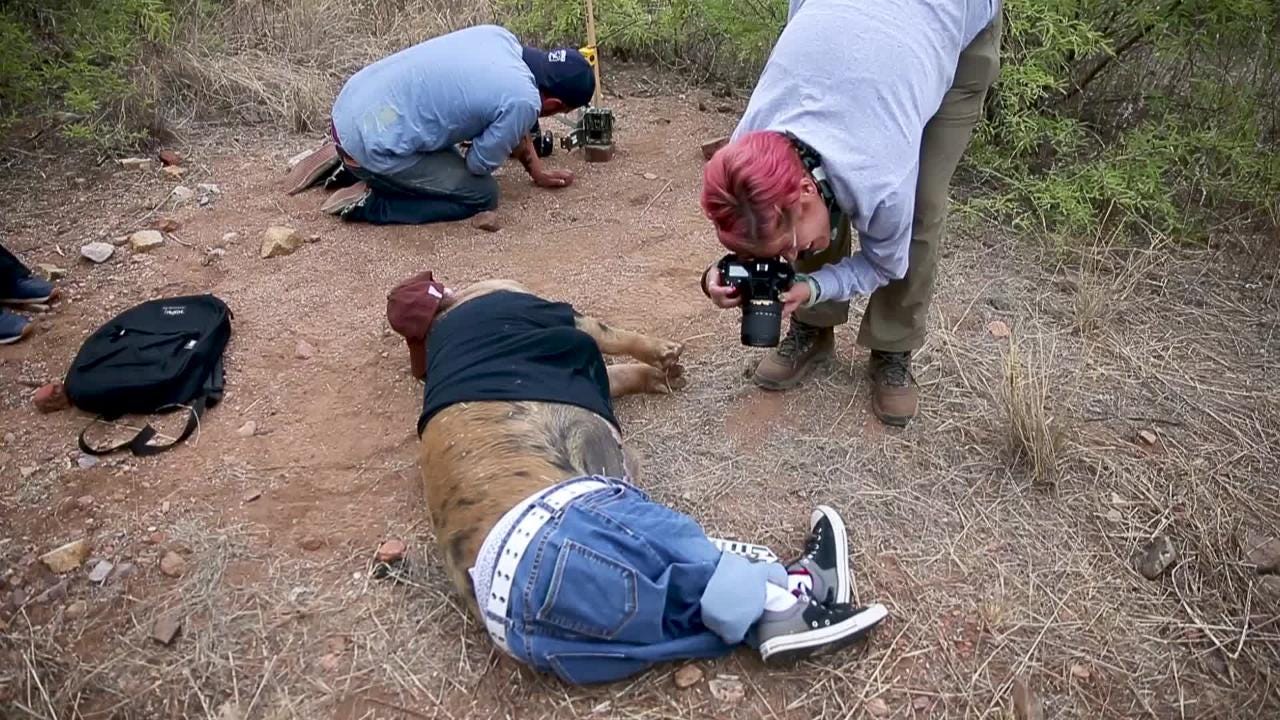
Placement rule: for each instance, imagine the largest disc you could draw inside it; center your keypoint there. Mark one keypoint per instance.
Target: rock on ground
(487, 221)
(688, 676)
(391, 551)
(166, 628)
(278, 241)
(67, 557)
(1264, 554)
(172, 564)
(98, 252)
(145, 240)
(1157, 557)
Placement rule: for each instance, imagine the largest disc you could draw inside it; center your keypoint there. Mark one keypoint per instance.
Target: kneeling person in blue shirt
(397, 124)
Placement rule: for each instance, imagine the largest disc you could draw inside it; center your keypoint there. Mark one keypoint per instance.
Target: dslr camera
(760, 283)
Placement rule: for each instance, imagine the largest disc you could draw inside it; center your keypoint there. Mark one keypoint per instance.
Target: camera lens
(761, 323)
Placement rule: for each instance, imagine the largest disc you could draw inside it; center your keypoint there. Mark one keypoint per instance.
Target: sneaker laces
(894, 368)
(800, 337)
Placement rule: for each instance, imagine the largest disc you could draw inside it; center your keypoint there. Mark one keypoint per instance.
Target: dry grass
(1035, 440)
(285, 61)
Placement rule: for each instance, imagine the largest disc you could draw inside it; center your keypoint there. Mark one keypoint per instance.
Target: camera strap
(812, 162)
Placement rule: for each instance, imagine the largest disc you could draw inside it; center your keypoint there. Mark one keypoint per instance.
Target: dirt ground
(1003, 585)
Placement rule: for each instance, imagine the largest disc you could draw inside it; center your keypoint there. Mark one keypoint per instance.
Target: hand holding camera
(760, 286)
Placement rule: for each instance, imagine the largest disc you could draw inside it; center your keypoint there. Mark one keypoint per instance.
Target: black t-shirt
(513, 346)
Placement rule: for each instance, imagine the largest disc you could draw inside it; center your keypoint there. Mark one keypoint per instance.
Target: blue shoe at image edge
(27, 291)
(13, 328)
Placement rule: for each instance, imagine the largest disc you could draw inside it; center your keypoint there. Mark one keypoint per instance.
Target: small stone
(1081, 671)
(688, 676)
(27, 471)
(877, 707)
(207, 192)
(170, 158)
(650, 176)
(313, 238)
(86, 461)
(137, 163)
(174, 172)
(76, 609)
(1026, 703)
(50, 397)
(304, 351)
(1264, 554)
(164, 506)
(172, 564)
(182, 195)
(10, 438)
(248, 429)
(252, 495)
(487, 221)
(124, 571)
(330, 662)
(1114, 515)
(311, 543)
(998, 329)
(278, 241)
(67, 557)
(166, 628)
(230, 238)
(921, 703)
(1147, 437)
(101, 572)
(55, 593)
(391, 551)
(145, 240)
(1157, 557)
(98, 252)
(727, 689)
(85, 502)
(157, 538)
(166, 225)
(51, 272)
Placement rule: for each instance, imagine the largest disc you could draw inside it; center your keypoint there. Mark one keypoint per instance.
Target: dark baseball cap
(411, 308)
(562, 73)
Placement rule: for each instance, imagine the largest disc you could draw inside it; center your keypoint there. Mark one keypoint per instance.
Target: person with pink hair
(857, 123)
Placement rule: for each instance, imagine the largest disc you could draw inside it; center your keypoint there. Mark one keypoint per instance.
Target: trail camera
(593, 133)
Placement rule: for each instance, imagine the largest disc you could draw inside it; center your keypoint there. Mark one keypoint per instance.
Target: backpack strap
(140, 443)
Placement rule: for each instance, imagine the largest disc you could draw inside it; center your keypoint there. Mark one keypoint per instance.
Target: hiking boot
(803, 349)
(809, 628)
(312, 168)
(823, 570)
(28, 291)
(894, 399)
(343, 201)
(13, 328)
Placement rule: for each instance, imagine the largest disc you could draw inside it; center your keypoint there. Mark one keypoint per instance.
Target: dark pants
(438, 187)
(11, 270)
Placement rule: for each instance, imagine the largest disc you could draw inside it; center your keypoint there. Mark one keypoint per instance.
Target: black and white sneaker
(810, 628)
(823, 569)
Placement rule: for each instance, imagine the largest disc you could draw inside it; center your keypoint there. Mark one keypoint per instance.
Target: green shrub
(79, 57)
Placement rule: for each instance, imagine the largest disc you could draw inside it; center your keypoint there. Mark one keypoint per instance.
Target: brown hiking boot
(894, 399)
(312, 169)
(803, 349)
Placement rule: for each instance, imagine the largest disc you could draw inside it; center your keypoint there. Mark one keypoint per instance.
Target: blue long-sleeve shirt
(472, 84)
(857, 80)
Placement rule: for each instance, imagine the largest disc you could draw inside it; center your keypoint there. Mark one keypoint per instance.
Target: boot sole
(796, 379)
(341, 200)
(821, 641)
(311, 169)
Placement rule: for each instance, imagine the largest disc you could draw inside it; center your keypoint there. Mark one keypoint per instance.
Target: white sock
(777, 599)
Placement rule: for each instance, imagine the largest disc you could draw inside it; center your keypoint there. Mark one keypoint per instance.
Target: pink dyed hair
(748, 184)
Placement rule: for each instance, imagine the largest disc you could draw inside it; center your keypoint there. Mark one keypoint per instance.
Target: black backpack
(156, 357)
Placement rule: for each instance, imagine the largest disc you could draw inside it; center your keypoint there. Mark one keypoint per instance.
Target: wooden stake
(591, 42)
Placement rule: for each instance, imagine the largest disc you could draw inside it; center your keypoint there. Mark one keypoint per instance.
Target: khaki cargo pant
(897, 313)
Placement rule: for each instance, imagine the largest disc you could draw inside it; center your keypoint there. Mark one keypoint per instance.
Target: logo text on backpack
(173, 309)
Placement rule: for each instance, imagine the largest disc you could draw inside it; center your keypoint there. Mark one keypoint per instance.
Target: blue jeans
(615, 583)
(437, 187)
